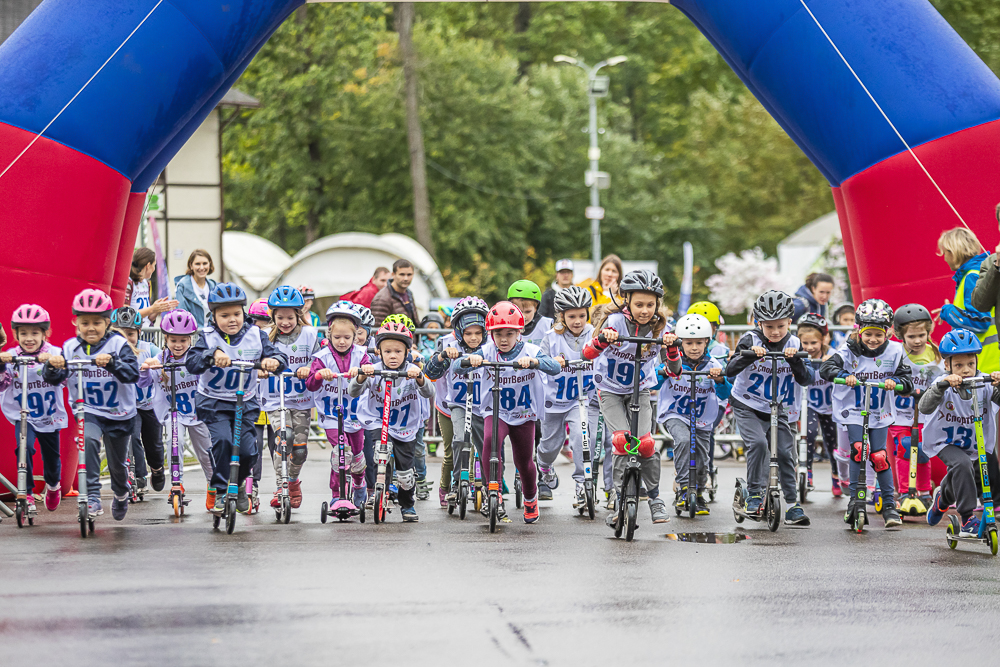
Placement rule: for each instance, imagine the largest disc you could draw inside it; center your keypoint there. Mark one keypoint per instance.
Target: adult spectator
(137, 292)
(193, 287)
(814, 296)
(564, 278)
(606, 284)
(396, 297)
(364, 295)
(961, 251)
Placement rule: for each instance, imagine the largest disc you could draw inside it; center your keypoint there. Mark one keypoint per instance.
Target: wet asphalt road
(154, 591)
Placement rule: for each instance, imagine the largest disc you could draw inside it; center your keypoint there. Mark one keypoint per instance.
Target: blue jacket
(805, 302)
(184, 293)
(964, 315)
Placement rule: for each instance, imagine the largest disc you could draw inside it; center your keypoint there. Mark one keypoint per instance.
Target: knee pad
(647, 446)
(856, 452)
(299, 454)
(880, 461)
(619, 439)
(358, 464)
(406, 479)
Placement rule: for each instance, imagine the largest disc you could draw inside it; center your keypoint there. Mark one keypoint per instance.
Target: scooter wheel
(479, 500)
(692, 507)
(631, 515)
(380, 508)
(463, 503)
(620, 524)
(494, 512)
(361, 513)
(322, 512)
(216, 520)
(90, 526)
(84, 520)
(773, 515)
(176, 502)
(878, 504)
(19, 515)
(230, 516)
(738, 500)
(803, 488)
(992, 536)
(589, 493)
(286, 510)
(858, 526)
(451, 508)
(518, 495)
(952, 531)
(31, 522)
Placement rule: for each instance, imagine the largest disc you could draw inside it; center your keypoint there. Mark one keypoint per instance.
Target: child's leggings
(822, 424)
(51, 462)
(522, 444)
(354, 459)
(297, 437)
(899, 436)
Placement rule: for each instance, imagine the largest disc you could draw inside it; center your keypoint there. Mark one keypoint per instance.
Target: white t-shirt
(141, 298)
(202, 294)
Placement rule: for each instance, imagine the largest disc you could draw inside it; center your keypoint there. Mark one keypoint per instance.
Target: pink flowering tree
(741, 279)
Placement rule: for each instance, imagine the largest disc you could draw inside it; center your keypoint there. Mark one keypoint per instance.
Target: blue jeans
(50, 454)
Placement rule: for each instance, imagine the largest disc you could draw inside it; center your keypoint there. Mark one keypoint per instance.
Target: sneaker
(531, 511)
(971, 527)
(30, 499)
(568, 453)
(700, 506)
(370, 502)
(611, 520)
(485, 510)
(809, 481)
(210, 500)
(52, 498)
(548, 477)
(609, 500)
(658, 510)
(242, 501)
(680, 500)
(295, 492)
(119, 508)
(157, 478)
(796, 516)
(254, 500)
(409, 514)
(579, 497)
(360, 494)
(219, 507)
(423, 490)
(140, 483)
(835, 488)
(94, 507)
(891, 516)
(755, 502)
(544, 491)
(276, 500)
(935, 512)
(443, 496)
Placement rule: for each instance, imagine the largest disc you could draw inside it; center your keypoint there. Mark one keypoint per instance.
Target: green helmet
(524, 289)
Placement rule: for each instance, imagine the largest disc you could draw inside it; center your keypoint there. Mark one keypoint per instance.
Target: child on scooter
(674, 409)
(813, 333)
(230, 337)
(913, 326)
(30, 325)
(949, 432)
(394, 341)
(868, 354)
(110, 408)
(564, 342)
(299, 342)
(751, 401)
(520, 401)
(340, 353)
(469, 321)
(178, 326)
(640, 314)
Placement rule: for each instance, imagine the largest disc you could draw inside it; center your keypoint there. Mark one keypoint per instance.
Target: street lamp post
(597, 86)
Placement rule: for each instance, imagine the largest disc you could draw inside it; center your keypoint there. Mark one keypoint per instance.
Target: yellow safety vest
(989, 358)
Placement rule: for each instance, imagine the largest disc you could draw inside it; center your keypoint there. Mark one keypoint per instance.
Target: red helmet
(504, 315)
(29, 314)
(92, 302)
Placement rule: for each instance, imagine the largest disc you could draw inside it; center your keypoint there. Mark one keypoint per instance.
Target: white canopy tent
(252, 262)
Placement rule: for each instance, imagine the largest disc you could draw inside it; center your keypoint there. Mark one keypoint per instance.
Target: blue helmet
(960, 341)
(285, 297)
(226, 294)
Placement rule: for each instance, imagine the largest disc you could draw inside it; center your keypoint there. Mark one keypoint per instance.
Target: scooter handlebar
(770, 353)
(862, 383)
(641, 340)
(25, 360)
(977, 381)
(580, 364)
(498, 364)
(79, 363)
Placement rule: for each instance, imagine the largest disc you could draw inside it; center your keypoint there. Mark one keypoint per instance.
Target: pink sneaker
(441, 496)
(52, 498)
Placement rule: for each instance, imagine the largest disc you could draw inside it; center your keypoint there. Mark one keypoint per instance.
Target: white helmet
(693, 325)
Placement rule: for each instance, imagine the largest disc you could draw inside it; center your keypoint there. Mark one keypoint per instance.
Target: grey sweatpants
(681, 433)
(115, 448)
(615, 408)
(201, 443)
(554, 435)
(298, 421)
(756, 434)
(458, 424)
(962, 484)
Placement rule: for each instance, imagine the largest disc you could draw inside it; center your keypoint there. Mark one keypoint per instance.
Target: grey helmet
(911, 312)
(773, 305)
(571, 298)
(126, 317)
(641, 280)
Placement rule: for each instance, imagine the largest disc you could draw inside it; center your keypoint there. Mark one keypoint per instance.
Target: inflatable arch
(72, 197)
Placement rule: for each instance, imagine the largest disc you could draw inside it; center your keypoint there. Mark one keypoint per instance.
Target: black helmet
(847, 305)
(571, 298)
(773, 305)
(126, 318)
(641, 280)
(816, 321)
(431, 317)
(911, 312)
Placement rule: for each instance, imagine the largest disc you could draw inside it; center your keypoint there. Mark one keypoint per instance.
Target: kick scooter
(857, 516)
(176, 497)
(343, 509)
(988, 526)
(242, 369)
(693, 411)
(463, 455)
(22, 510)
(381, 495)
(771, 508)
(910, 504)
(628, 502)
(84, 516)
(283, 512)
(588, 474)
(803, 437)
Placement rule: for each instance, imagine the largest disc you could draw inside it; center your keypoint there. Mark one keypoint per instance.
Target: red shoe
(835, 489)
(276, 500)
(52, 498)
(210, 499)
(295, 492)
(530, 511)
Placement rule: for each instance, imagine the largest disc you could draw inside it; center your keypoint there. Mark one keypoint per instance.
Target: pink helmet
(29, 314)
(259, 310)
(178, 323)
(92, 302)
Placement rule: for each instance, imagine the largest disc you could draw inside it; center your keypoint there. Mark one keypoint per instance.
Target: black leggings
(149, 431)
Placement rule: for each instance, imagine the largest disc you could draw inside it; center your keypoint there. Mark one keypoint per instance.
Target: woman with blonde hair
(605, 285)
(961, 250)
